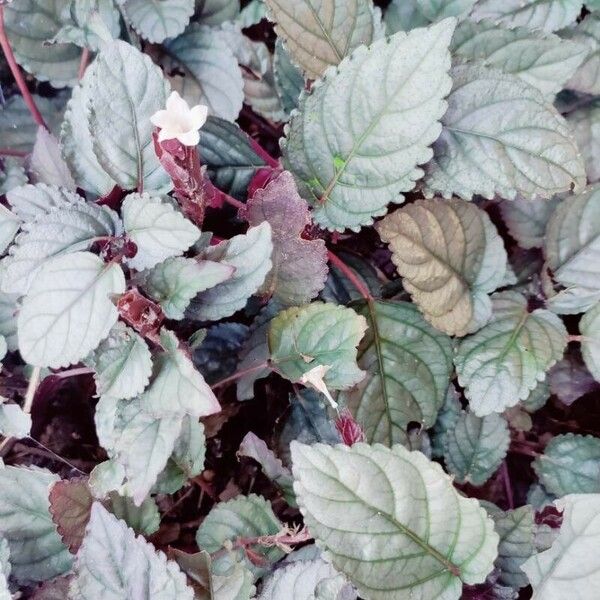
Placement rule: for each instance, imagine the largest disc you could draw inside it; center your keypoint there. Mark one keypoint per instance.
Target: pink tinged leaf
(350, 431)
(299, 265)
(144, 315)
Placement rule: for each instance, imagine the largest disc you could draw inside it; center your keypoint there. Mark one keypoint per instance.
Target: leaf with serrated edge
(250, 255)
(158, 230)
(501, 136)
(46, 163)
(450, 257)
(289, 81)
(320, 34)
(215, 12)
(37, 552)
(585, 124)
(157, 21)
(589, 326)
(408, 366)
(571, 567)
(475, 447)
(503, 362)
(351, 158)
(114, 564)
(122, 364)
(423, 537)
(587, 77)
(68, 310)
(31, 201)
(299, 265)
(176, 281)
(302, 338)
(543, 60)
(9, 225)
(570, 464)
(14, 421)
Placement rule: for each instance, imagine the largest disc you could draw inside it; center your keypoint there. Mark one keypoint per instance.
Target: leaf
(4, 570)
(516, 529)
(450, 257)
(572, 244)
(114, 564)
(215, 12)
(8, 319)
(122, 364)
(436, 10)
(158, 230)
(289, 81)
(174, 282)
(447, 418)
(125, 89)
(526, 219)
(157, 20)
(9, 225)
(570, 568)
(252, 14)
(46, 163)
(61, 231)
(211, 73)
(475, 447)
(299, 265)
(36, 550)
(408, 366)
(428, 551)
(29, 25)
(589, 326)
(585, 124)
(350, 167)
(503, 362)
(570, 380)
(250, 255)
(144, 519)
(12, 174)
(547, 15)
(500, 136)
(404, 15)
(587, 77)
(322, 34)
(232, 581)
(301, 338)
(68, 311)
(14, 422)
(570, 464)
(542, 60)
(31, 201)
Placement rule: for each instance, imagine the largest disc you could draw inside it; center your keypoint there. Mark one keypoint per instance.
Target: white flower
(179, 121)
(314, 379)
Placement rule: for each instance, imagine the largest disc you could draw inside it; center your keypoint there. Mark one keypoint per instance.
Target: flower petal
(189, 138)
(159, 118)
(199, 113)
(177, 106)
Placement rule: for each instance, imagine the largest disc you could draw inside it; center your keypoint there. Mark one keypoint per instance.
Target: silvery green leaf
(215, 12)
(427, 551)
(297, 581)
(122, 364)
(46, 163)
(571, 567)
(106, 477)
(8, 319)
(301, 338)
(243, 517)
(3, 347)
(516, 529)
(408, 365)
(589, 326)
(9, 225)
(125, 89)
(350, 161)
(211, 73)
(519, 348)
(587, 77)
(538, 397)
(60, 231)
(500, 136)
(252, 14)
(232, 580)
(37, 552)
(190, 448)
(29, 25)
(174, 282)
(289, 81)
(404, 15)
(299, 265)
(572, 245)
(12, 174)
(449, 274)
(158, 229)
(14, 422)
(144, 519)
(526, 219)
(585, 124)
(321, 34)
(68, 309)
(76, 143)
(29, 202)
(539, 497)
(157, 20)
(447, 418)
(228, 153)
(436, 10)
(250, 255)
(570, 464)
(543, 60)
(476, 446)
(547, 15)
(4, 570)
(114, 564)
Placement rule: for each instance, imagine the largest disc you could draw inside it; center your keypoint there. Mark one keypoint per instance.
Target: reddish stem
(85, 59)
(575, 338)
(271, 162)
(227, 198)
(16, 71)
(10, 152)
(239, 374)
(350, 275)
(507, 485)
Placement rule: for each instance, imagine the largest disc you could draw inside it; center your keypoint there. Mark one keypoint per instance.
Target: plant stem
(239, 374)
(73, 372)
(16, 71)
(10, 152)
(227, 198)
(271, 162)
(85, 58)
(507, 485)
(350, 275)
(575, 338)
